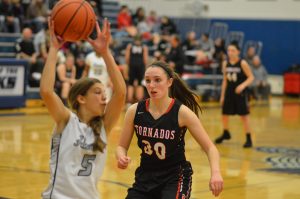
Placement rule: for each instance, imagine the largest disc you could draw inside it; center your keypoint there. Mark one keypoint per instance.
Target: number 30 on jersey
(159, 148)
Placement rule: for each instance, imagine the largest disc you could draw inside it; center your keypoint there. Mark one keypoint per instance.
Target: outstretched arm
(115, 105)
(56, 108)
(191, 121)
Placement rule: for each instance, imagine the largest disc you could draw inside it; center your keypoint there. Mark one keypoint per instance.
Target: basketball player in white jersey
(78, 146)
(96, 68)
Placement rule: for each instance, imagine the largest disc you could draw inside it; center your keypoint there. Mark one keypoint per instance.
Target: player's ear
(170, 82)
(81, 99)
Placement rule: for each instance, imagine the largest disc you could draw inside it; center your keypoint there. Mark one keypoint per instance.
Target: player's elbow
(210, 148)
(45, 91)
(121, 93)
(251, 78)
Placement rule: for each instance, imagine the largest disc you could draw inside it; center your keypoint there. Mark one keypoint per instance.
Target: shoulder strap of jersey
(240, 62)
(141, 107)
(174, 107)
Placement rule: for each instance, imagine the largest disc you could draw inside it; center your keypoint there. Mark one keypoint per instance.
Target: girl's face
(233, 52)
(157, 82)
(95, 99)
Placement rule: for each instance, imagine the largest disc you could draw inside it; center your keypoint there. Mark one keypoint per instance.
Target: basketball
(74, 19)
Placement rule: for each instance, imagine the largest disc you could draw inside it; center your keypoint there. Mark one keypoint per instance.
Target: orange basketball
(74, 19)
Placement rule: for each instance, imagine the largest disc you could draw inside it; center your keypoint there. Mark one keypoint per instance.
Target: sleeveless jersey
(98, 70)
(75, 169)
(234, 75)
(69, 73)
(161, 140)
(136, 56)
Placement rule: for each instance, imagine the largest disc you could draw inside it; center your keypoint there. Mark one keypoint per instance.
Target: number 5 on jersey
(159, 148)
(86, 165)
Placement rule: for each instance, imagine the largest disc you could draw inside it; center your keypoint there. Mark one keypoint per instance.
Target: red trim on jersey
(170, 105)
(169, 108)
(147, 104)
(179, 187)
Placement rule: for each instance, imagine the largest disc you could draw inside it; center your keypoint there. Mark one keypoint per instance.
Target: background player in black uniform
(237, 76)
(136, 58)
(160, 124)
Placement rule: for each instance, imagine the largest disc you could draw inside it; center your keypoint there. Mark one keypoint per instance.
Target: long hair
(80, 88)
(179, 89)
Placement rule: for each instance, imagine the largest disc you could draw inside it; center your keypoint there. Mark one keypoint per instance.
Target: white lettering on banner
(12, 80)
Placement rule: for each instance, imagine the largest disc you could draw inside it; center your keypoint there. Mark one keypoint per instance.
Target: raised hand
(101, 43)
(55, 40)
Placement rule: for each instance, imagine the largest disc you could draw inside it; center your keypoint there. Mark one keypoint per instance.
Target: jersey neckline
(167, 111)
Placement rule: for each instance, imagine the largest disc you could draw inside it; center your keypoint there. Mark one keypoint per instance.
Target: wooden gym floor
(270, 170)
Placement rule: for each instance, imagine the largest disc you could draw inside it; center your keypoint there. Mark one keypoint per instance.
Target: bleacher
(201, 79)
(8, 41)
(198, 77)
(110, 10)
(7, 44)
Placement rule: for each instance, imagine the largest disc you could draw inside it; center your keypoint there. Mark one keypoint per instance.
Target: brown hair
(80, 88)
(235, 44)
(179, 89)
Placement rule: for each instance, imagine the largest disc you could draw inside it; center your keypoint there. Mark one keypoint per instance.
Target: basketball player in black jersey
(136, 56)
(237, 76)
(160, 123)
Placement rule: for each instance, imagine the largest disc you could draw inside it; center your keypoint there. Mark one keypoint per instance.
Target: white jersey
(98, 69)
(75, 169)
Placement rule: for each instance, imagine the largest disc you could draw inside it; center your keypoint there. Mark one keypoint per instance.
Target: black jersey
(136, 56)
(162, 139)
(234, 75)
(68, 74)
(235, 103)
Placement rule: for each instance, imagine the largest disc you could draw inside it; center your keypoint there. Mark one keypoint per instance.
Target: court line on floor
(11, 115)
(22, 170)
(47, 172)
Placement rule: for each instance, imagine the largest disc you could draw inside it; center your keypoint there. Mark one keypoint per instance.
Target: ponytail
(179, 89)
(96, 124)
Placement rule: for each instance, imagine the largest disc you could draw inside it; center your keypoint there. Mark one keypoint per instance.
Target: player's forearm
(66, 79)
(48, 75)
(120, 152)
(214, 159)
(223, 89)
(248, 81)
(115, 75)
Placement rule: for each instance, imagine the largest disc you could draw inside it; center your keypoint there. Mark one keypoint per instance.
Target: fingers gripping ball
(74, 20)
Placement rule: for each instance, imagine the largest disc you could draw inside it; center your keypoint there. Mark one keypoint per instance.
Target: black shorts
(236, 104)
(170, 183)
(136, 72)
